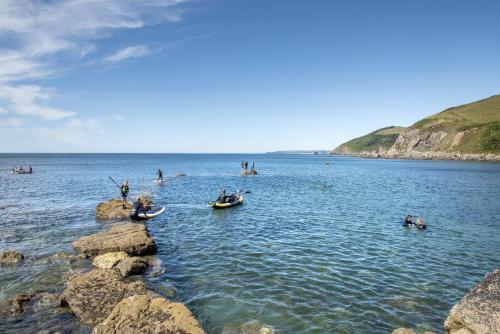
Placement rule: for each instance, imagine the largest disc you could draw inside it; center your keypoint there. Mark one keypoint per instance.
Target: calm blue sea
(315, 248)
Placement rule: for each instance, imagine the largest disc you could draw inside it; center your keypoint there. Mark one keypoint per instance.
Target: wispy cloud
(13, 121)
(135, 51)
(28, 100)
(42, 38)
(2, 111)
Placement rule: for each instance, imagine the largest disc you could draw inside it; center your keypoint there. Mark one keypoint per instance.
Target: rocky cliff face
(468, 132)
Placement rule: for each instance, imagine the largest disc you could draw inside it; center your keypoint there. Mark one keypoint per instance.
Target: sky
(200, 76)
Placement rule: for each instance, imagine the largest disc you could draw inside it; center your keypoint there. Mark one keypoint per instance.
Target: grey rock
(132, 266)
(93, 295)
(11, 257)
(132, 238)
(146, 314)
(479, 310)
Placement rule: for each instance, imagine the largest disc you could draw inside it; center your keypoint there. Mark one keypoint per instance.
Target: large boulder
(132, 266)
(10, 257)
(145, 314)
(93, 295)
(479, 310)
(132, 238)
(109, 260)
(115, 209)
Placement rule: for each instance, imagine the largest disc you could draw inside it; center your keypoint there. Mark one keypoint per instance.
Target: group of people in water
(419, 223)
(244, 165)
(21, 170)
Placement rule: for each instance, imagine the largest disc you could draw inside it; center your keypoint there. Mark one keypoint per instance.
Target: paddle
(126, 195)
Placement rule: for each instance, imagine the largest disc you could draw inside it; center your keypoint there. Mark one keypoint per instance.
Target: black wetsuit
(137, 208)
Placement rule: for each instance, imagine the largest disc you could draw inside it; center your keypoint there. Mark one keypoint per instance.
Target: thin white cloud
(13, 121)
(2, 111)
(89, 123)
(40, 39)
(28, 100)
(135, 51)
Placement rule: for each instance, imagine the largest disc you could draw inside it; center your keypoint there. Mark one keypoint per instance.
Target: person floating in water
(160, 175)
(137, 208)
(409, 220)
(243, 165)
(246, 165)
(420, 224)
(124, 192)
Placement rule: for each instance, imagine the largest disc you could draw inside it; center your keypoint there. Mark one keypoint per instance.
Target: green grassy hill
(380, 139)
(469, 128)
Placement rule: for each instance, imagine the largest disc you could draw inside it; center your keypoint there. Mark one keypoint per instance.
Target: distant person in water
(420, 223)
(137, 208)
(160, 175)
(408, 220)
(246, 165)
(253, 165)
(124, 192)
(30, 170)
(243, 165)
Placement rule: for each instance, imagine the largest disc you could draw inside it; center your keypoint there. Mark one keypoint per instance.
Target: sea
(318, 245)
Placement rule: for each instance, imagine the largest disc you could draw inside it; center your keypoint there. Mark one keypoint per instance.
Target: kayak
(150, 214)
(217, 205)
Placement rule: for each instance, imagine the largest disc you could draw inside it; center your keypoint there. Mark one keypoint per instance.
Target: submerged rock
(14, 306)
(115, 209)
(93, 295)
(132, 238)
(479, 310)
(10, 257)
(132, 266)
(109, 260)
(145, 314)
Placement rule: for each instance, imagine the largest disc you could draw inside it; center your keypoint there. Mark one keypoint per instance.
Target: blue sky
(234, 75)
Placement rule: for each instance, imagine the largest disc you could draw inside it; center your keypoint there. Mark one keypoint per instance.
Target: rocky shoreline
(110, 295)
(415, 155)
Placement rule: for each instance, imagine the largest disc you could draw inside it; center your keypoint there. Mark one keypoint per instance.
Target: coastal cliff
(467, 132)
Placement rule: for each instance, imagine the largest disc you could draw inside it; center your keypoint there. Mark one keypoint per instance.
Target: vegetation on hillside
(379, 139)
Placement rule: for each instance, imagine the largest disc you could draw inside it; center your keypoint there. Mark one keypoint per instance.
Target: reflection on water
(315, 248)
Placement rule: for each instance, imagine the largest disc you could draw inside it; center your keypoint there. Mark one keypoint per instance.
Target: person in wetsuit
(124, 192)
(222, 197)
(137, 208)
(409, 220)
(160, 175)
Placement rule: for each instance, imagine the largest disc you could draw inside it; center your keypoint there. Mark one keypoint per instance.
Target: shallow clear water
(315, 248)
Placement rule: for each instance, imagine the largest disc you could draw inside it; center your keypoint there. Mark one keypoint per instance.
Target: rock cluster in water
(107, 297)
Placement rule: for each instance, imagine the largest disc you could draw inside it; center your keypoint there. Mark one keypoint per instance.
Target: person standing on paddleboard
(124, 190)
(160, 175)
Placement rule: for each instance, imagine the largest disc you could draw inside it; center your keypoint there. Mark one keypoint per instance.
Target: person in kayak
(137, 208)
(409, 220)
(160, 175)
(124, 192)
(222, 197)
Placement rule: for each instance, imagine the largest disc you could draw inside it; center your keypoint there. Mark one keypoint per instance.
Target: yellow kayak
(217, 205)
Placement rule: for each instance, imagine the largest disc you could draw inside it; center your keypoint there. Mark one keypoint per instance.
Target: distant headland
(466, 132)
